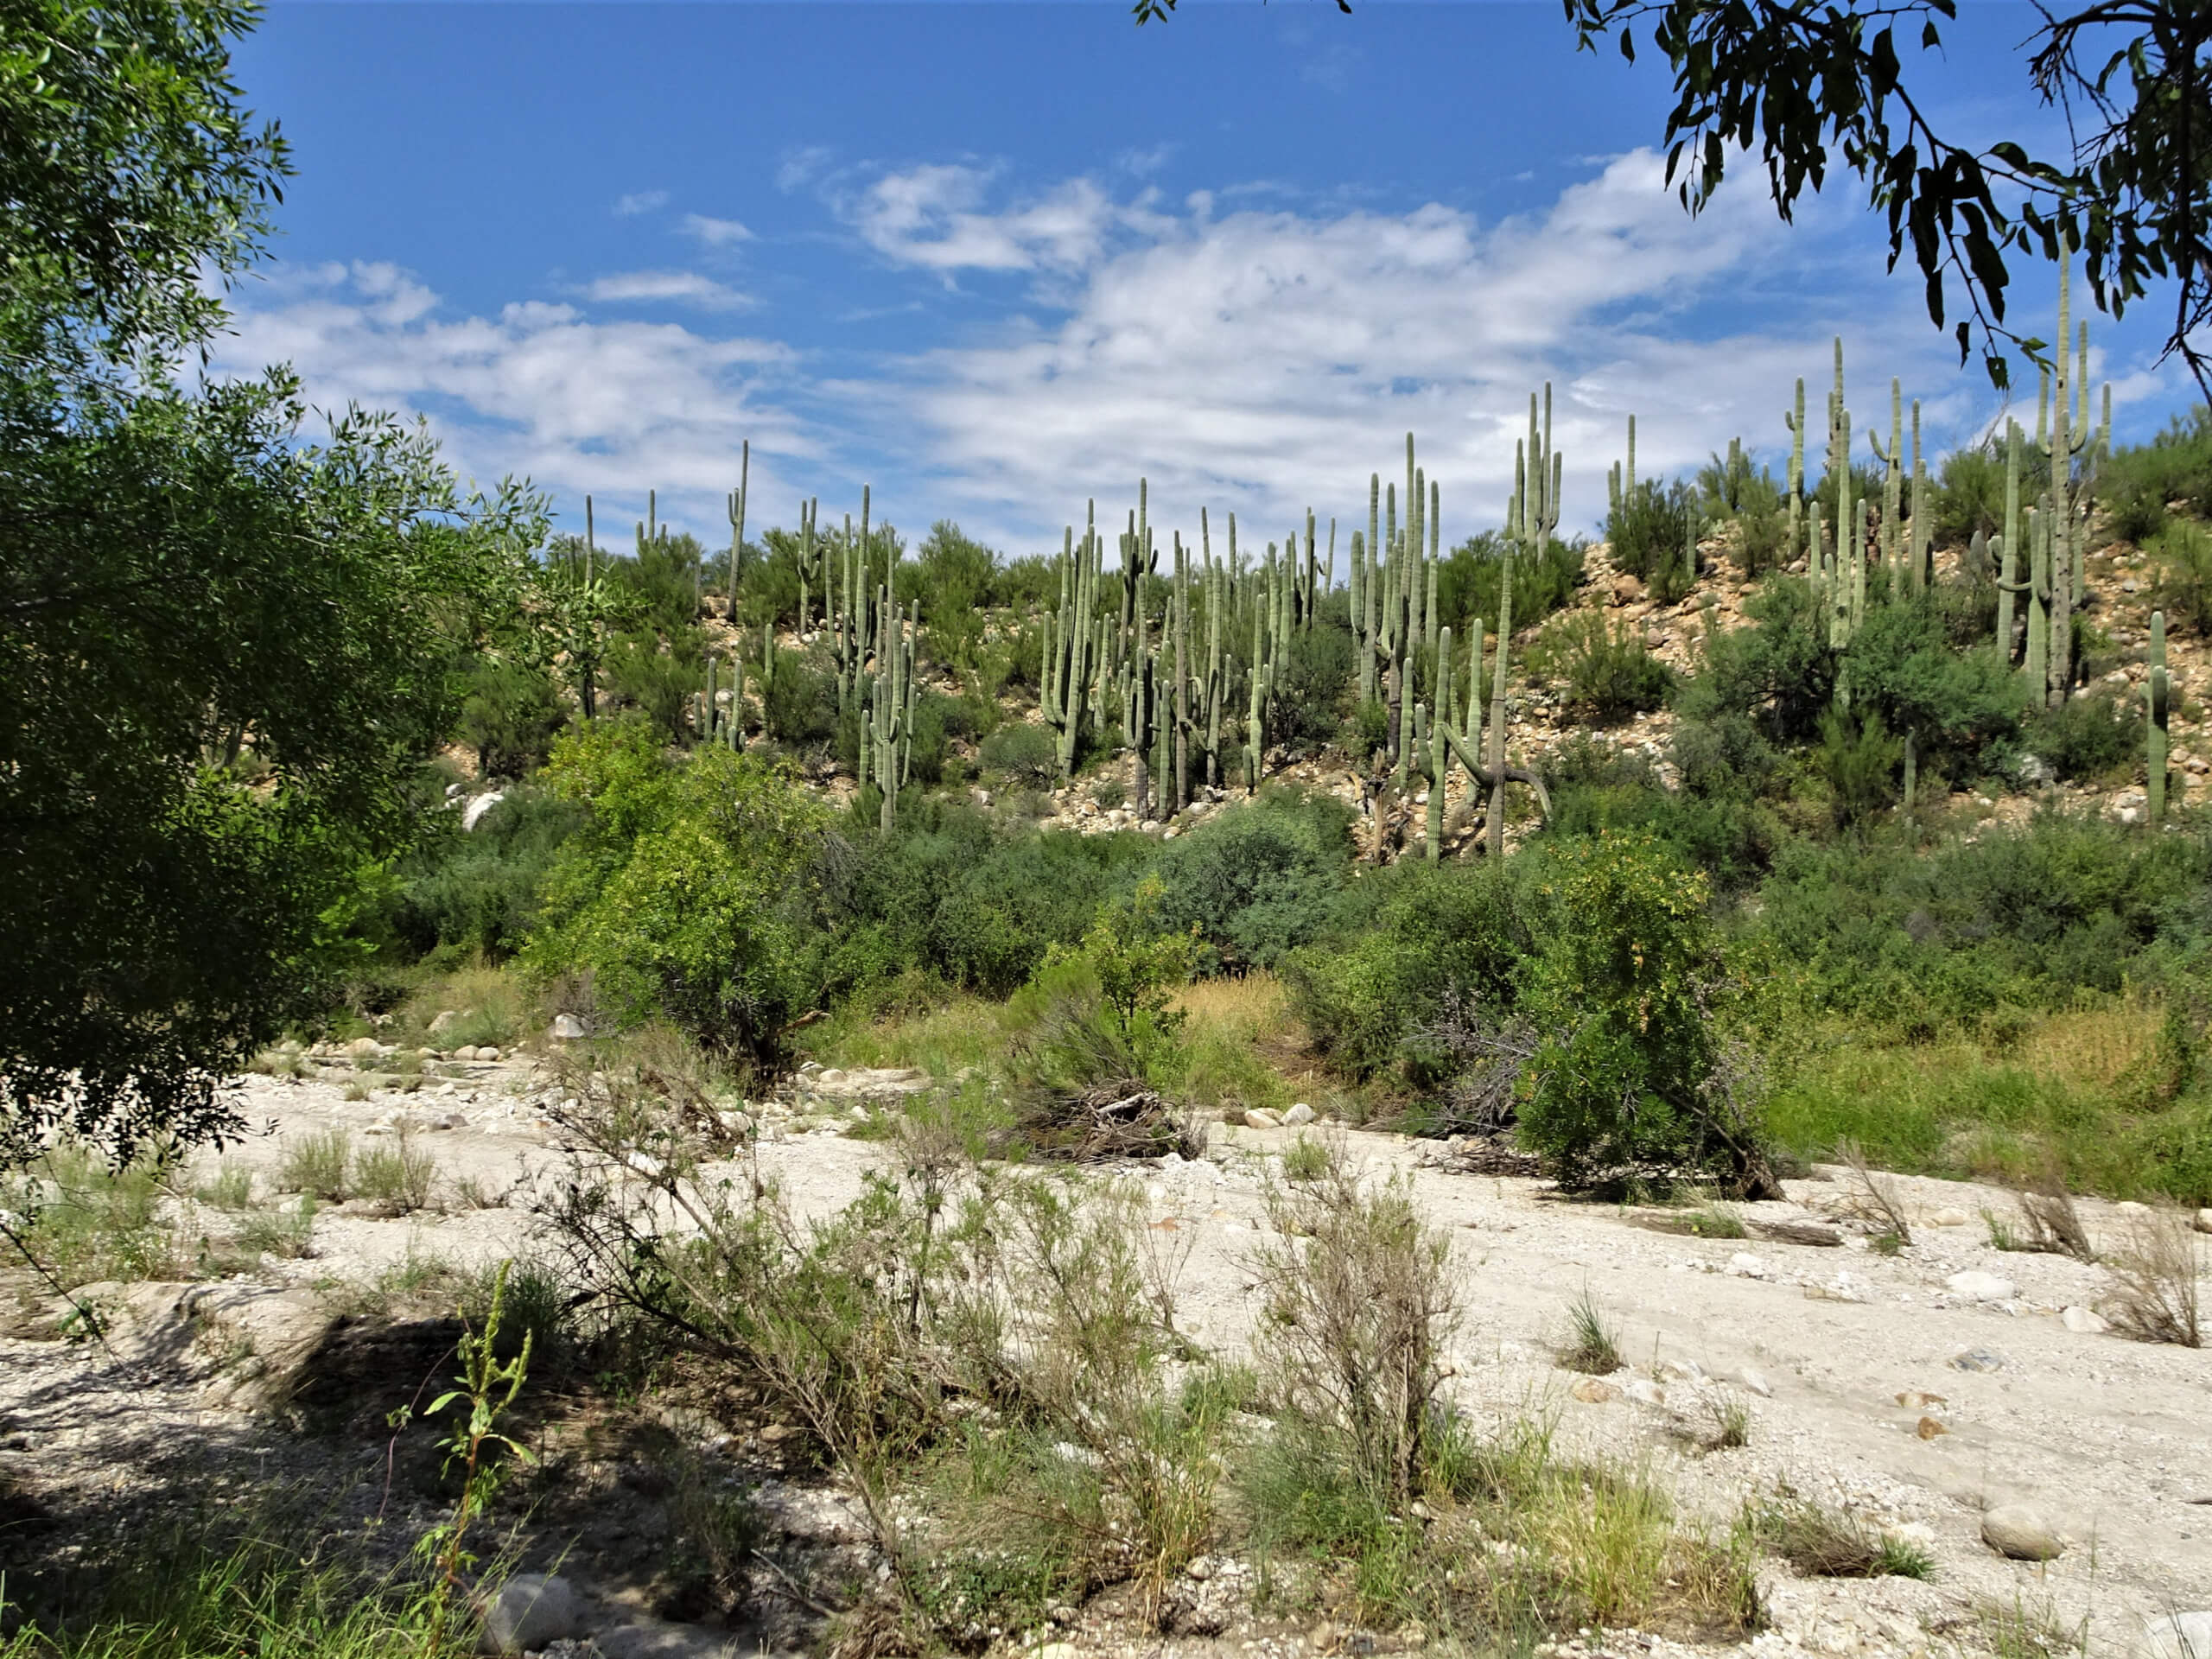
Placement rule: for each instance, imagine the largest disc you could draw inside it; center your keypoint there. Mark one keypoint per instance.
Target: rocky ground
(1950, 1393)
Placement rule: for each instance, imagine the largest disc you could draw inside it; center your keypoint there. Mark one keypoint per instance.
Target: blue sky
(997, 259)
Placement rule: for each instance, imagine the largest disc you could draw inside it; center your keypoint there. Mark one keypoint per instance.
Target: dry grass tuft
(1871, 1199)
(2155, 1294)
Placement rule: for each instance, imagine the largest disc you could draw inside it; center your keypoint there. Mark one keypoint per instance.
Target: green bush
(1257, 882)
(1404, 939)
(1778, 673)
(1861, 761)
(476, 892)
(1311, 680)
(1969, 495)
(2183, 551)
(1609, 674)
(1471, 579)
(1022, 753)
(2086, 736)
(1731, 489)
(2137, 484)
(683, 891)
(1653, 532)
(509, 717)
(658, 681)
(799, 701)
(1630, 1080)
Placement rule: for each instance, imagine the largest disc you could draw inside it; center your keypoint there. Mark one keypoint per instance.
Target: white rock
(1261, 1118)
(2019, 1531)
(465, 1052)
(1947, 1217)
(1683, 1370)
(1645, 1391)
(568, 1028)
(1744, 1265)
(2178, 1635)
(472, 814)
(487, 1051)
(2130, 1207)
(2204, 1221)
(1979, 1287)
(528, 1612)
(1756, 1382)
(2089, 1323)
(1301, 1112)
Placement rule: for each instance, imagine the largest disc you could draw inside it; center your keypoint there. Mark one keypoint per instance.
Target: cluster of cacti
(718, 713)
(1908, 540)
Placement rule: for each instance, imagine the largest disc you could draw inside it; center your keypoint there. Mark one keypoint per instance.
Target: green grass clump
(398, 1176)
(1590, 1346)
(319, 1165)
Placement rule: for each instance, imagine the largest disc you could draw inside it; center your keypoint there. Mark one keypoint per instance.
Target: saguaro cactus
(1529, 523)
(2156, 692)
(737, 511)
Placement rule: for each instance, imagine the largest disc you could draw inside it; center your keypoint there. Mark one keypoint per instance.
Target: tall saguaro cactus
(1529, 523)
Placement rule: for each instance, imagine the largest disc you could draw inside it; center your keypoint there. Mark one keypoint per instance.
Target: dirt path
(2107, 1438)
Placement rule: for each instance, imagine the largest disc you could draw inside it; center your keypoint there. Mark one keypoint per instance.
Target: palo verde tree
(226, 648)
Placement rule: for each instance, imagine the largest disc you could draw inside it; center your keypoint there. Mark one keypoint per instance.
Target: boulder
(1947, 1217)
(2178, 1635)
(1979, 1287)
(1261, 1118)
(2204, 1221)
(1756, 1382)
(472, 814)
(567, 1029)
(529, 1611)
(1744, 1265)
(1298, 1114)
(2089, 1323)
(2020, 1532)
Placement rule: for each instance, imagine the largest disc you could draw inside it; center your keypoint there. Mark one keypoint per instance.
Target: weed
(534, 1310)
(1731, 1424)
(2019, 1631)
(229, 1188)
(357, 1091)
(1590, 1346)
(1819, 1543)
(286, 1233)
(397, 1176)
(1304, 1160)
(1718, 1221)
(2154, 1297)
(317, 1165)
(1869, 1199)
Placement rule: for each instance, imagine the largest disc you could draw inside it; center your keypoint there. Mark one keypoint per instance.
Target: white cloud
(933, 216)
(614, 408)
(715, 233)
(640, 201)
(802, 167)
(1271, 358)
(682, 287)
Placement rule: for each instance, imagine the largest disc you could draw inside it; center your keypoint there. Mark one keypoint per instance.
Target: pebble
(1928, 1428)
(2086, 1321)
(2018, 1531)
(1979, 1287)
(1978, 1359)
(1744, 1265)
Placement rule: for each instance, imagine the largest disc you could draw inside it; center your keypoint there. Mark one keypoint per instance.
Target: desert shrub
(934, 716)
(1730, 488)
(1402, 941)
(1860, 759)
(1960, 707)
(2138, 484)
(1022, 753)
(1258, 880)
(1631, 1078)
(476, 891)
(1778, 672)
(1311, 680)
(1471, 580)
(1610, 674)
(1653, 531)
(1969, 494)
(683, 891)
(798, 701)
(2027, 917)
(2086, 736)
(968, 902)
(656, 679)
(2183, 550)
(509, 717)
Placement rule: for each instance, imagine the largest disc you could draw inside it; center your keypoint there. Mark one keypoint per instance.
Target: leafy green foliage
(683, 894)
(1312, 679)
(2086, 736)
(476, 892)
(1861, 761)
(1471, 581)
(1653, 532)
(1022, 753)
(2184, 554)
(2139, 485)
(1969, 494)
(1629, 1079)
(1257, 882)
(509, 717)
(1610, 674)
(1402, 940)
